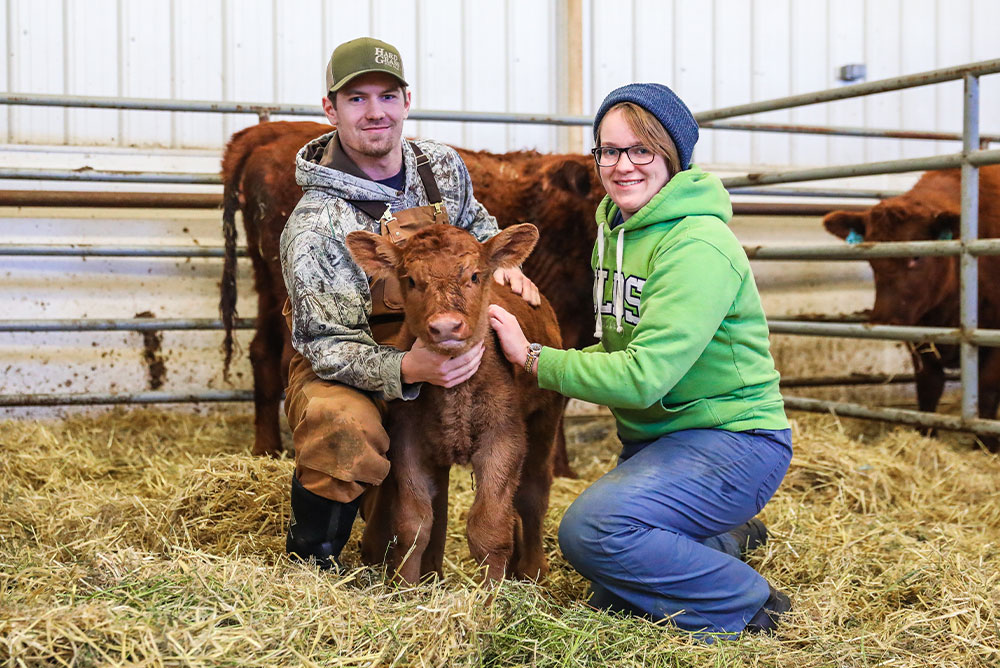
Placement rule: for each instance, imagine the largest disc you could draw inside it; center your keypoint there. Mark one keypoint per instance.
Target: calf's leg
(490, 527)
(413, 515)
(268, 377)
(532, 498)
(989, 392)
(377, 509)
(929, 372)
(433, 559)
(930, 380)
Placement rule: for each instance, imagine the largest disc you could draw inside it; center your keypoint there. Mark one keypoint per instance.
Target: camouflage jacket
(328, 292)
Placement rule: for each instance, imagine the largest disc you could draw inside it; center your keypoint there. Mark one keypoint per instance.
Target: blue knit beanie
(664, 104)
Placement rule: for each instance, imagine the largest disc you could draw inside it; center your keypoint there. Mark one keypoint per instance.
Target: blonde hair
(650, 132)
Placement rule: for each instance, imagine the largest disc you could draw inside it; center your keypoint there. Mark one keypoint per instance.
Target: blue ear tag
(946, 235)
(854, 237)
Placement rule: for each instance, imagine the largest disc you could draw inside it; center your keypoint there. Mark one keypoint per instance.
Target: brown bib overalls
(337, 430)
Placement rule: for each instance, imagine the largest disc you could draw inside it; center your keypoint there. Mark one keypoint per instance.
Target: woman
(684, 366)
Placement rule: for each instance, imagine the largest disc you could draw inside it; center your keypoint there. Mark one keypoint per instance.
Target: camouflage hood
(309, 173)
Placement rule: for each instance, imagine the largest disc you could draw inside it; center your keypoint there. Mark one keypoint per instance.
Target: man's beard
(378, 148)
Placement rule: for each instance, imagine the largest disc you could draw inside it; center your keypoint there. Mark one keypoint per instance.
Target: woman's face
(629, 186)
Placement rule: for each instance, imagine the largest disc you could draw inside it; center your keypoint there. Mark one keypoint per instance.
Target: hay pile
(149, 537)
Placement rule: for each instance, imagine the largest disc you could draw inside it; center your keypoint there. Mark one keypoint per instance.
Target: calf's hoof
(991, 443)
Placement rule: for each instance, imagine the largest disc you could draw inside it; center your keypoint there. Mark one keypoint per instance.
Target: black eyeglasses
(608, 156)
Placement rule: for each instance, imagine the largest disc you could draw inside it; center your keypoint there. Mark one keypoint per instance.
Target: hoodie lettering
(633, 296)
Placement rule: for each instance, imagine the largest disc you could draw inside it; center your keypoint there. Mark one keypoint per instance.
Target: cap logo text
(383, 57)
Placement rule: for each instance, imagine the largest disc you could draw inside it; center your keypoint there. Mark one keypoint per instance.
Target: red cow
(925, 290)
(499, 421)
(559, 193)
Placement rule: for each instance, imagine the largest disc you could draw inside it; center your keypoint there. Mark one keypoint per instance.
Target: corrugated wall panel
(882, 57)
(485, 83)
(732, 80)
(694, 65)
(653, 52)
(248, 57)
(4, 81)
(441, 63)
(613, 59)
(147, 71)
(771, 77)
(954, 25)
(846, 24)
(197, 53)
(500, 56)
(918, 44)
(810, 62)
(986, 45)
(36, 65)
(531, 85)
(92, 69)
(298, 54)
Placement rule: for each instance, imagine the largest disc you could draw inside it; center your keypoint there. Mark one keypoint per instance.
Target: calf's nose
(446, 326)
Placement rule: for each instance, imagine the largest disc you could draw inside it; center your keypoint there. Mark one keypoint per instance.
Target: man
(362, 176)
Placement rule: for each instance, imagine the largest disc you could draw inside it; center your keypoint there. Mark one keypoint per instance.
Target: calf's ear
(378, 256)
(842, 223)
(512, 246)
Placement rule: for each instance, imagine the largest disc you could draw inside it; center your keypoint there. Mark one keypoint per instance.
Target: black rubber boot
(749, 536)
(767, 618)
(319, 528)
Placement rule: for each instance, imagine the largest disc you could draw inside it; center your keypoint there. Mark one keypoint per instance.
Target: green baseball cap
(361, 56)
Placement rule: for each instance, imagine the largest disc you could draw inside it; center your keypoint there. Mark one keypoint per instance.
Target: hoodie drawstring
(618, 287)
(599, 280)
(618, 282)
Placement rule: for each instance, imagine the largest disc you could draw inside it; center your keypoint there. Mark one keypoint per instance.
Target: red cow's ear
(378, 256)
(512, 246)
(947, 225)
(570, 176)
(841, 223)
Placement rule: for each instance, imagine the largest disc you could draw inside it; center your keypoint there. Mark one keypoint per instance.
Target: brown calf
(558, 193)
(498, 421)
(925, 290)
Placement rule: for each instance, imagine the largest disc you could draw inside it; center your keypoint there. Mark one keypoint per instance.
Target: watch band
(534, 350)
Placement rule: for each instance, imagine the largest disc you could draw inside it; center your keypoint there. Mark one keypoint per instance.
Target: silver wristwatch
(534, 350)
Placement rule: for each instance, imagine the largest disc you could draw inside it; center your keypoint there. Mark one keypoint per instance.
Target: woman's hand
(512, 339)
(519, 284)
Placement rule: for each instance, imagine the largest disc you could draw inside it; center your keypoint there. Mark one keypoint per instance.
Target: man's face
(369, 114)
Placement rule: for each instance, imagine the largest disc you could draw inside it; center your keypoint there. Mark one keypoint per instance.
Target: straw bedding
(150, 537)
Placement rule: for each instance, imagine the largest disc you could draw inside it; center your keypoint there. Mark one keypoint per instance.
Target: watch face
(535, 347)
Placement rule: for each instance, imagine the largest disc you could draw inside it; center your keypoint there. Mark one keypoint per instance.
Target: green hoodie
(684, 338)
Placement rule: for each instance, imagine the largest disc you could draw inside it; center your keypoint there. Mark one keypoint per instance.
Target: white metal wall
(718, 53)
(496, 56)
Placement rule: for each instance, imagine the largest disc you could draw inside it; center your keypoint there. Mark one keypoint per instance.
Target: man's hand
(519, 283)
(421, 365)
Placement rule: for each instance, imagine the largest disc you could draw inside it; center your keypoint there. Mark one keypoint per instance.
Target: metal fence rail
(967, 335)
(123, 324)
(99, 398)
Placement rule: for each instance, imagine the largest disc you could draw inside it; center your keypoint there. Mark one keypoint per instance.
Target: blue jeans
(647, 533)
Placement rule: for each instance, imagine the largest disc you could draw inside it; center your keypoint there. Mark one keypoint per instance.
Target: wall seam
(173, 70)
(120, 84)
(66, 69)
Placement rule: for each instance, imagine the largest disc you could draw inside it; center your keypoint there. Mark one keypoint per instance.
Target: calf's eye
(475, 277)
(412, 283)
